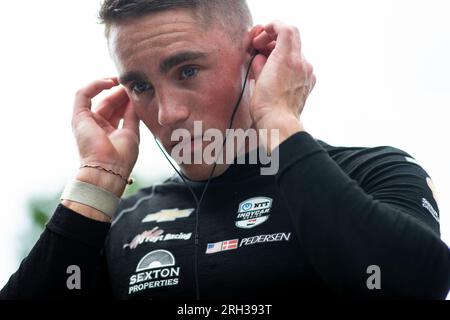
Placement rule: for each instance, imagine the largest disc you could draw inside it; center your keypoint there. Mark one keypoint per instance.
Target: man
(331, 222)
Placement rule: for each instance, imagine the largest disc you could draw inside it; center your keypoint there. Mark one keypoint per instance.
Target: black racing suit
(333, 222)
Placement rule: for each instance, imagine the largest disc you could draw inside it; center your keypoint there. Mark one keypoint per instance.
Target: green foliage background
(41, 207)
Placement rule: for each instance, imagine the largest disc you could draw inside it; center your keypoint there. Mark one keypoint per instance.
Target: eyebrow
(165, 66)
(131, 76)
(180, 58)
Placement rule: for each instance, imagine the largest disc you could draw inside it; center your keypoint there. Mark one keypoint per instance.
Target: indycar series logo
(253, 212)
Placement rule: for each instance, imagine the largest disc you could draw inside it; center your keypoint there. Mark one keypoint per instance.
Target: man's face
(176, 72)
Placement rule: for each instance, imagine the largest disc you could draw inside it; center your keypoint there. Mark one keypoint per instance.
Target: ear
(260, 60)
(248, 39)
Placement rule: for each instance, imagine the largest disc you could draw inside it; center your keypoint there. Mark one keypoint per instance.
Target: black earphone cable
(198, 202)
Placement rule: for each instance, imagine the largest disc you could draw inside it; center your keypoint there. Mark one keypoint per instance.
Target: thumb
(258, 65)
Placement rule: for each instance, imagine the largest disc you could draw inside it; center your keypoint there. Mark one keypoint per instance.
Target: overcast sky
(383, 79)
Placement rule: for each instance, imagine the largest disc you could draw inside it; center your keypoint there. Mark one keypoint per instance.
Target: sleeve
(67, 262)
(347, 227)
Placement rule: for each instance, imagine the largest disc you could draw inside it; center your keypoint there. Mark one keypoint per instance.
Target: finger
(118, 111)
(107, 108)
(258, 65)
(268, 49)
(103, 123)
(84, 96)
(131, 119)
(258, 29)
(118, 115)
(287, 37)
(313, 82)
(271, 46)
(261, 41)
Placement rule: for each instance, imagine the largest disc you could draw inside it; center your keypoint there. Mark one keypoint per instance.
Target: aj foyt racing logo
(253, 212)
(154, 236)
(155, 270)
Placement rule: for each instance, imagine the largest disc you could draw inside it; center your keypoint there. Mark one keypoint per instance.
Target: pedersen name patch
(276, 237)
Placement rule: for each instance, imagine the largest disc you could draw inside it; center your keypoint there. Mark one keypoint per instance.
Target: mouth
(184, 143)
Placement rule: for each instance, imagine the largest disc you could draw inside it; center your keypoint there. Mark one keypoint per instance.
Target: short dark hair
(234, 15)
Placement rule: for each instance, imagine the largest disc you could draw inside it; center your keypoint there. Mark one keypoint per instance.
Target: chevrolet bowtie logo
(168, 215)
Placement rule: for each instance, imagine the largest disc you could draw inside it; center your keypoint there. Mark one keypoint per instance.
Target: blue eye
(189, 72)
(140, 87)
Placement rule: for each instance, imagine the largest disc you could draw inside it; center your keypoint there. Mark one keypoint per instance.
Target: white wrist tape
(92, 196)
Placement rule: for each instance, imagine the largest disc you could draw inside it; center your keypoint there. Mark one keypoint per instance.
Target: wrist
(86, 211)
(104, 180)
(286, 126)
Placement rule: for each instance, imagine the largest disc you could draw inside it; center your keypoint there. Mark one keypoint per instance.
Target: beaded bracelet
(128, 181)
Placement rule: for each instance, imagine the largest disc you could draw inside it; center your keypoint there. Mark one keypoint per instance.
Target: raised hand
(99, 138)
(284, 79)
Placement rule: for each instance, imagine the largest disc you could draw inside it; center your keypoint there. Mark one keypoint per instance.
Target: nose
(171, 110)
